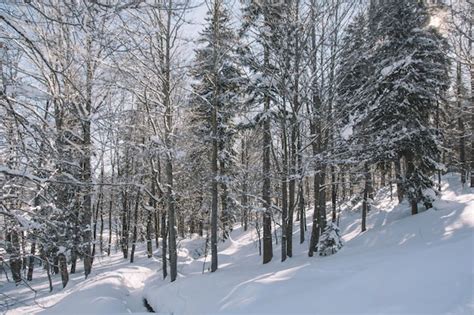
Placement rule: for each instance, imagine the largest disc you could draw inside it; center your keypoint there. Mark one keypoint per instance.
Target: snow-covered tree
(330, 241)
(215, 102)
(409, 76)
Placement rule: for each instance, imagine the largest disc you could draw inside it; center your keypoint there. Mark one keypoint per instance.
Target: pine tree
(265, 20)
(353, 65)
(215, 102)
(407, 79)
(330, 241)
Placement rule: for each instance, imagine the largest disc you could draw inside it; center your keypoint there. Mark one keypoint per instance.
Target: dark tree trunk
(410, 166)
(399, 179)
(214, 192)
(135, 227)
(169, 143)
(225, 218)
(301, 211)
(383, 172)
(333, 194)
(125, 220)
(109, 242)
(284, 191)
(171, 221)
(97, 212)
(56, 264)
(301, 202)
(267, 138)
(245, 162)
(471, 70)
(73, 260)
(86, 213)
(101, 233)
(13, 249)
(63, 269)
(151, 216)
(461, 129)
(365, 203)
(48, 270)
(291, 191)
(164, 244)
(31, 260)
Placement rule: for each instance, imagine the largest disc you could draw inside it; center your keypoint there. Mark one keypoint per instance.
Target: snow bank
(402, 264)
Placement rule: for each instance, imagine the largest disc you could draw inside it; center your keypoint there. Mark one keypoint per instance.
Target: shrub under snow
(330, 240)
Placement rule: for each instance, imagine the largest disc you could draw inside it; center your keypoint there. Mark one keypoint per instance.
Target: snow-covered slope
(401, 264)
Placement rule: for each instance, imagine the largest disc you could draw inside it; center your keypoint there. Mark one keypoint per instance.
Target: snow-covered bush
(330, 240)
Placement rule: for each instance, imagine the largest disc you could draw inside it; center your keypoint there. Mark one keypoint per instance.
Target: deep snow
(406, 264)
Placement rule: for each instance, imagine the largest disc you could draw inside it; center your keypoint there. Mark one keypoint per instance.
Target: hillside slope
(402, 264)
(406, 264)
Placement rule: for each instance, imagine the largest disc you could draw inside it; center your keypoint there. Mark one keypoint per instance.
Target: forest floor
(406, 264)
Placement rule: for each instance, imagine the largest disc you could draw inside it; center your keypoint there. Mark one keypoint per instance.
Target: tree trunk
(63, 269)
(151, 218)
(164, 244)
(31, 260)
(267, 138)
(284, 191)
(410, 170)
(399, 179)
(471, 70)
(109, 242)
(125, 215)
(214, 192)
(301, 202)
(245, 183)
(86, 215)
(48, 269)
(291, 191)
(135, 228)
(365, 203)
(13, 249)
(225, 218)
(333, 194)
(461, 129)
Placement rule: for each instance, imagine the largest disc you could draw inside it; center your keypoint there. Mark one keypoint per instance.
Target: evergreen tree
(330, 241)
(408, 78)
(215, 102)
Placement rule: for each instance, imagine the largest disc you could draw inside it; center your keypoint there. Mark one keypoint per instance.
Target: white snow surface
(402, 264)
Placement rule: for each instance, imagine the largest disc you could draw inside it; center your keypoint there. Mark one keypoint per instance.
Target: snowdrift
(407, 264)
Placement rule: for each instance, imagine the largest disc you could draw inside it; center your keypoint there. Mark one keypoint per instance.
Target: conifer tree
(215, 102)
(409, 76)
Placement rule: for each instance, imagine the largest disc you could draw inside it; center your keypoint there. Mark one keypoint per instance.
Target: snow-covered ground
(401, 264)
(114, 287)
